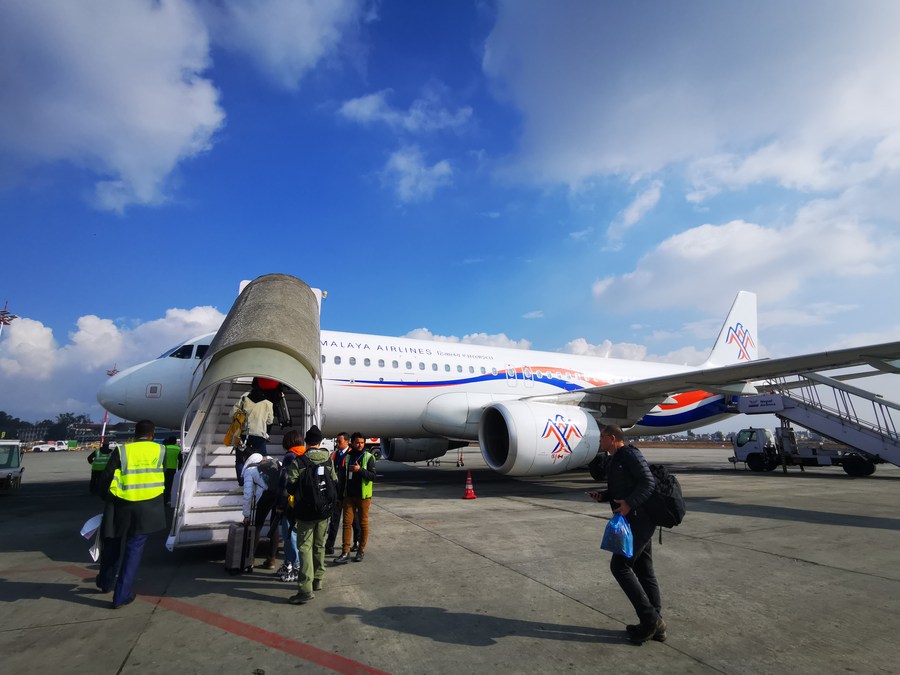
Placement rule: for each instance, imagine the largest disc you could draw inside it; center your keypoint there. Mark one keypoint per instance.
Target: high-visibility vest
(363, 463)
(101, 459)
(172, 452)
(141, 475)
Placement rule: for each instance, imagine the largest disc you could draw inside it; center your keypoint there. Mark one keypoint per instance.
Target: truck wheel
(857, 466)
(756, 462)
(597, 467)
(771, 463)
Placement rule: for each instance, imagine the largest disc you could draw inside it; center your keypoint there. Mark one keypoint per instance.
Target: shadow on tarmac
(473, 630)
(717, 506)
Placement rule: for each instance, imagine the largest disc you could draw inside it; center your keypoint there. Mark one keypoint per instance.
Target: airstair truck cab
(10, 464)
(756, 447)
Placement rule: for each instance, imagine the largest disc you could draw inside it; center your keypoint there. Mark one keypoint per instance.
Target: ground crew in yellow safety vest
(173, 463)
(134, 509)
(98, 460)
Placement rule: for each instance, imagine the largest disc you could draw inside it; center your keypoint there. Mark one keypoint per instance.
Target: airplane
(532, 412)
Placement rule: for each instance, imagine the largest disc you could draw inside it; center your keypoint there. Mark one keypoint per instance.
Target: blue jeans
(131, 561)
(291, 554)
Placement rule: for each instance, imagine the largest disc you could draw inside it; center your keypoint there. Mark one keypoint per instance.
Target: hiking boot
(342, 559)
(659, 636)
(648, 631)
(301, 598)
(359, 556)
(317, 585)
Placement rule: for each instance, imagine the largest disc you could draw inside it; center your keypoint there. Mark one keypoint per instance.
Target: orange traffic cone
(470, 491)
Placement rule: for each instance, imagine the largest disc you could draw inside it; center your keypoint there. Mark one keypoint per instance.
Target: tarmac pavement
(769, 572)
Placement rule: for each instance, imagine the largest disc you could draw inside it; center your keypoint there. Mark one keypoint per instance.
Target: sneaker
(301, 598)
(648, 631)
(292, 575)
(284, 569)
(659, 636)
(359, 556)
(342, 559)
(317, 585)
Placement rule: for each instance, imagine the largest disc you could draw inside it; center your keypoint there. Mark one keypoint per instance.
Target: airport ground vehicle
(53, 446)
(11, 468)
(763, 450)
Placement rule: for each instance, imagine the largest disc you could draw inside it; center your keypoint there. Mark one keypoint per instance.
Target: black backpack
(271, 472)
(316, 492)
(665, 506)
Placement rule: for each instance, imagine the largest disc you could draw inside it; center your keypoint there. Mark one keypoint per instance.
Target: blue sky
(596, 177)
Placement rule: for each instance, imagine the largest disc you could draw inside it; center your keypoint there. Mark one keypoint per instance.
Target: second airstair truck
(762, 450)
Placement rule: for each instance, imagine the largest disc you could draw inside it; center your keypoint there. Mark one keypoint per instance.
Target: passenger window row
(510, 372)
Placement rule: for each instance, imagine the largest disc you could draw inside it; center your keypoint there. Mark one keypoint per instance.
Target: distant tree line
(45, 430)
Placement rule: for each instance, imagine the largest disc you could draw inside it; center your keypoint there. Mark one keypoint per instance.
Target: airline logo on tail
(738, 335)
(562, 430)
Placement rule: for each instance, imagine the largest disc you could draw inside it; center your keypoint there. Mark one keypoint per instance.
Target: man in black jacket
(630, 484)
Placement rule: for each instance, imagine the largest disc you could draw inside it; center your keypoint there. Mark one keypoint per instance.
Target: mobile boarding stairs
(271, 331)
(836, 410)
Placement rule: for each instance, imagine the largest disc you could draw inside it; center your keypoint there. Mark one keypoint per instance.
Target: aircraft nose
(113, 395)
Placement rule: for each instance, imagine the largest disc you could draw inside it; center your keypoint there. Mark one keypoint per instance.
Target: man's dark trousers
(635, 575)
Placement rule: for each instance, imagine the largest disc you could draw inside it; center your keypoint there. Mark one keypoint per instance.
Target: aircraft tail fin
(738, 340)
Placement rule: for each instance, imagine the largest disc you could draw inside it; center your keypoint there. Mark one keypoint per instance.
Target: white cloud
(114, 87)
(286, 39)
(797, 93)
(424, 115)
(709, 263)
(643, 203)
(536, 314)
(495, 340)
(43, 378)
(411, 178)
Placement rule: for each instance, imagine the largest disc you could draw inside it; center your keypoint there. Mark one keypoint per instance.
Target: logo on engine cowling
(563, 431)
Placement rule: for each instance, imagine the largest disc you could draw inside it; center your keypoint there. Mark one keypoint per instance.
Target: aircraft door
(527, 377)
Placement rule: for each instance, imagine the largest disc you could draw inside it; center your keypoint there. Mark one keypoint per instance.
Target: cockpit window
(182, 352)
(201, 351)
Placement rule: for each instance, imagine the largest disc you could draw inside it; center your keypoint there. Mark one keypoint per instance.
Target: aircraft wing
(639, 396)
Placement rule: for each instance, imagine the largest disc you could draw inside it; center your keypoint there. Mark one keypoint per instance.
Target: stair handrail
(807, 393)
(194, 461)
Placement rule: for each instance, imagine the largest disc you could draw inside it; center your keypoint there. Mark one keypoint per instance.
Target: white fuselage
(406, 388)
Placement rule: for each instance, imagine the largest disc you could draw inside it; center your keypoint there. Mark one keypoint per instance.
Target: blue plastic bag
(617, 537)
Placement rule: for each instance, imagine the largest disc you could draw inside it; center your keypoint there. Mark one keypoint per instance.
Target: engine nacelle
(416, 449)
(526, 438)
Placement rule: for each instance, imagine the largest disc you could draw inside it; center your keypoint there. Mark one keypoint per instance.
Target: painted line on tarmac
(306, 652)
(335, 662)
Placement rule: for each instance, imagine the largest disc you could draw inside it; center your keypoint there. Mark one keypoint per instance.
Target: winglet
(738, 340)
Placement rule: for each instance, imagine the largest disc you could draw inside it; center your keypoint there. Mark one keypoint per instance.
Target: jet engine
(528, 438)
(416, 449)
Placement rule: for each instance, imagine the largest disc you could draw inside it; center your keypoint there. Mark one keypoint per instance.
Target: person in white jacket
(256, 491)
(260, 414)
